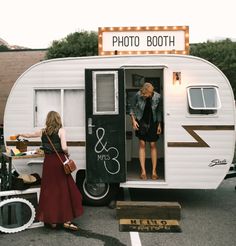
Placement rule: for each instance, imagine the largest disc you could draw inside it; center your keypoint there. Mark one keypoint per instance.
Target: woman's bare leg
(142, 156)
(153, 148)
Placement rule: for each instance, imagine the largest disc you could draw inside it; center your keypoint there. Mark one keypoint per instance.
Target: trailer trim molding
(200, 142)
(39, 143)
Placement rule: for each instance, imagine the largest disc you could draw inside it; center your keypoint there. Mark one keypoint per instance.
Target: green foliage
(220, 53)
(76, 44)
(3, 48)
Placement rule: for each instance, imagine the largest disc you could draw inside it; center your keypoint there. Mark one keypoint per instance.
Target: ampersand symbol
(103, 146)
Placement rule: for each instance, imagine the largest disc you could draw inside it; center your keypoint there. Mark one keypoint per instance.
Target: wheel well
(80, 174)
(88, 198)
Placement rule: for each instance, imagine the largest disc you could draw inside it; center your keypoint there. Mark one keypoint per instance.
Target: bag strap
(53, 147)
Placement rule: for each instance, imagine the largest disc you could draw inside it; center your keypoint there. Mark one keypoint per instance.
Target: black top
(147, 113)
(47, 147)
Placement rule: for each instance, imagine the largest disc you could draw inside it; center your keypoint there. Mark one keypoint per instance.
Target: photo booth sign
(143, 40)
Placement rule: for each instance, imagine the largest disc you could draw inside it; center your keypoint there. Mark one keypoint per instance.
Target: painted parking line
(134, 236)
(135, 239)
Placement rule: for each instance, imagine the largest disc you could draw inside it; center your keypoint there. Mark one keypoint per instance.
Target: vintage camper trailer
(93, 96)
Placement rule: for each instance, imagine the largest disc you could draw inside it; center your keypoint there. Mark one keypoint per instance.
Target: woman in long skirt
(60, 200)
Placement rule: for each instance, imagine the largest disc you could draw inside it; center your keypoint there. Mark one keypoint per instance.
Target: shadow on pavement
(108, 240)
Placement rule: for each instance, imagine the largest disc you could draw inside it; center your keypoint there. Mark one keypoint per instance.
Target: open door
(105, 126)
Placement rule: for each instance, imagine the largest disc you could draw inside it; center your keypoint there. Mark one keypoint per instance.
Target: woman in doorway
(60, 200)
(146, 121)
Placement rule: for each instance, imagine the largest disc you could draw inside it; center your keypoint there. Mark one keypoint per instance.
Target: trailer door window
(203, 100)
(105, 92)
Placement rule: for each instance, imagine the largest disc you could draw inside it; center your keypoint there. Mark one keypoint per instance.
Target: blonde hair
(53, 122)
(146, 88)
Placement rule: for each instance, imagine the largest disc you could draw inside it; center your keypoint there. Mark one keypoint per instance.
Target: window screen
(203, 100)
(45, 101)
(210, 97)
(105, 87)
(74, 114)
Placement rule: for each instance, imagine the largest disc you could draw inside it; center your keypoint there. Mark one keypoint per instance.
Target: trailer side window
(63, 101)
(203, 100)
(105, 92)
(71, 116)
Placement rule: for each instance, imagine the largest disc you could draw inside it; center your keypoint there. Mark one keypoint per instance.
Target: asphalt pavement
(208, 218)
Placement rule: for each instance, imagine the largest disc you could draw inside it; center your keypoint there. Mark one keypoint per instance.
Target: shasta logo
(217, 162)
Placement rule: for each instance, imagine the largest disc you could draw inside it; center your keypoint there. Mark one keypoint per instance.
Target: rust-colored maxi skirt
(60, 200)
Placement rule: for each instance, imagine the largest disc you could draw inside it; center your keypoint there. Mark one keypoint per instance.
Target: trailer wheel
(95, 194)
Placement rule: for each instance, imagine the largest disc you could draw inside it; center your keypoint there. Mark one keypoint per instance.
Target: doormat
(149, 225)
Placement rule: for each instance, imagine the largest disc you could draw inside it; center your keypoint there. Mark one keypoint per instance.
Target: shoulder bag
(69, 165)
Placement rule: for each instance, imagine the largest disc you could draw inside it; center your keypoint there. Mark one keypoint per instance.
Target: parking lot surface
(208, 217)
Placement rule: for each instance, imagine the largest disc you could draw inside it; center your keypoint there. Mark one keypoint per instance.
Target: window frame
(204, 108)
(61, 95)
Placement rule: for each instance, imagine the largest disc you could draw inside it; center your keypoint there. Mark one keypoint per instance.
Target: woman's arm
(30, 135)
(159, 113)
(62, 135)
(159, 107)
(135, 124)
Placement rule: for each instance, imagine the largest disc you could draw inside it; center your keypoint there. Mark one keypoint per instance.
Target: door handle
(90, 126)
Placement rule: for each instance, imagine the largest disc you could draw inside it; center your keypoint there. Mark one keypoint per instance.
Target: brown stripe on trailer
(199, 141)
(39, 143)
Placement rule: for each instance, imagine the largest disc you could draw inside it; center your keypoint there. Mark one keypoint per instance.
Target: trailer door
(105, 126)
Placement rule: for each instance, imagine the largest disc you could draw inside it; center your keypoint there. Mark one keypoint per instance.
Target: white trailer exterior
(197, 145)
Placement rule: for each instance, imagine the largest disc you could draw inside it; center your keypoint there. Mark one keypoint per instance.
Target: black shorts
(151, 135)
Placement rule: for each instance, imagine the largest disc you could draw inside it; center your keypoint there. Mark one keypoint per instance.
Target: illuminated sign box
(143, 40)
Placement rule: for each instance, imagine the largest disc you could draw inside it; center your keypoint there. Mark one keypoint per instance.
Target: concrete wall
(12, 65)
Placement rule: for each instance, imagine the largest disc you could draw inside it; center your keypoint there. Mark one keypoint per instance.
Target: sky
(37, 23)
